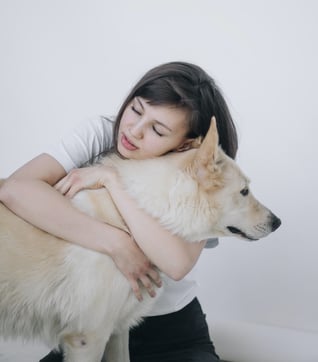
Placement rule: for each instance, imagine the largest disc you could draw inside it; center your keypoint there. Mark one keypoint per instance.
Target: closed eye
(135, 110)
(156, 131)
(244, 191)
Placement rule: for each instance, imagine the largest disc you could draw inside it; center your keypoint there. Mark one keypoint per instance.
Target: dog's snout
(276, 222)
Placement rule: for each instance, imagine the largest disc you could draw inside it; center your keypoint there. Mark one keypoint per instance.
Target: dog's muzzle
(239, 232)
(274, 224)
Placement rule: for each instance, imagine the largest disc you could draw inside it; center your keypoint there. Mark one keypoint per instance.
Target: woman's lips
(127, 144)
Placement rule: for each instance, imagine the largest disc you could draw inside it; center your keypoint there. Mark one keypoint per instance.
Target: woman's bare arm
(29, 193)
(168, 252)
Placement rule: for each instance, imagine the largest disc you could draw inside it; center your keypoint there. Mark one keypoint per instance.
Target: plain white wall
(63, 61)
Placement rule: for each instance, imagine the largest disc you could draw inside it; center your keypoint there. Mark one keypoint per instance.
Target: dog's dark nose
(276, 222)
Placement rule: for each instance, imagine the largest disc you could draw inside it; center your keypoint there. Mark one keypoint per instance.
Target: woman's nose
(137, 130)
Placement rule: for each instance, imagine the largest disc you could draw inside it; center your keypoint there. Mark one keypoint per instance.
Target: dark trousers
(182, 336)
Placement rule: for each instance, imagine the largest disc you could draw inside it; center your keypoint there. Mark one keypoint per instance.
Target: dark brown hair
(187, 86)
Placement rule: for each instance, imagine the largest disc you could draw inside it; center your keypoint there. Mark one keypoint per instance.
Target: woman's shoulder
(100, 126)
(84, 142)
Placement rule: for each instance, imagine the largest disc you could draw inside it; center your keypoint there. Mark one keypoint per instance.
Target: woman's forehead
(170, 115)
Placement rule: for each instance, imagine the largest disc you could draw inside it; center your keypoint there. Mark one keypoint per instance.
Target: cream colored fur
(64, 294)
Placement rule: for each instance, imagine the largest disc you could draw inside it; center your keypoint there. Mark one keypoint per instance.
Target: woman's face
(147, 130)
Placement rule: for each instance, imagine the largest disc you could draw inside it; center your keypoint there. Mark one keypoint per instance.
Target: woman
(168, 108)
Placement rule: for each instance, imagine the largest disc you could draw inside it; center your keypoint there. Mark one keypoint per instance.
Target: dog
(64, 294)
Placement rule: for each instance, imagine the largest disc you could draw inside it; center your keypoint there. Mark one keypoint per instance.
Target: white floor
(21, 352)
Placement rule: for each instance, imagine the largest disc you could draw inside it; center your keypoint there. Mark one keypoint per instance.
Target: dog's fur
(65, 294)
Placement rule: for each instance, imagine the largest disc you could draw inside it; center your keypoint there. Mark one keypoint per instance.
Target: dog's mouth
(239, 232)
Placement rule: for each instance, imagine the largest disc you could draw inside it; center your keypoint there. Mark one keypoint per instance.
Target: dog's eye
(244, 192)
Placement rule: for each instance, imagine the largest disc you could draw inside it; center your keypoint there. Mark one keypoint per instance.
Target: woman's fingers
(62, 186)
(144, 282)
(155, 276)
(67, 188)
(93, 177)
(149, 280)
(77, 180)
(136, 289)
(148, 284)
(134, 265)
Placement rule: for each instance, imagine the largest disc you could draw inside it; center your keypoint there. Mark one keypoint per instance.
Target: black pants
(182, 336)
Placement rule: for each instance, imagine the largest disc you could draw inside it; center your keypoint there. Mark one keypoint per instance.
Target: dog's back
(50, 288)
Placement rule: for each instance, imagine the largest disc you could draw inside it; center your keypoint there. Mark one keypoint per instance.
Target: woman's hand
(135, 266)
(126, 254)
(93, 177)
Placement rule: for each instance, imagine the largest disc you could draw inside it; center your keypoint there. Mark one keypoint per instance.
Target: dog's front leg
(84, 347)
(117, 348)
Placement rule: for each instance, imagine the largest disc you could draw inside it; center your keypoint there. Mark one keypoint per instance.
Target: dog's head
(226, 191)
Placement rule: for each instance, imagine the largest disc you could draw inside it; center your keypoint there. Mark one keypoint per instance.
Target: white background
(64, 61)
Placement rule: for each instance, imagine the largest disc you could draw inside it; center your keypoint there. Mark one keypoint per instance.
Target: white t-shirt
(87, 143)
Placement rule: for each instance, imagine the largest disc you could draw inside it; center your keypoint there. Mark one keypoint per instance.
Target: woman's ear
(189, 143)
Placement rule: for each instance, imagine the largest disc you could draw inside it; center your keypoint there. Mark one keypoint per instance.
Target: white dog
(64, 294)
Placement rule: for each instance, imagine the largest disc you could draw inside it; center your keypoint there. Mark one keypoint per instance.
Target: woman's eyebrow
(139, 101)
(160, 123)
(164, 125)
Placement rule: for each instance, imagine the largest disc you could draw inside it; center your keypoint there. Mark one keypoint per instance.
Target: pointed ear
(204, 165)
(208, 151)
(189, 144)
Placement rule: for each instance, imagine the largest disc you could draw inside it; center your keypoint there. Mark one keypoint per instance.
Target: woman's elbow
(5, 191)
(180, 269)
(10, 192)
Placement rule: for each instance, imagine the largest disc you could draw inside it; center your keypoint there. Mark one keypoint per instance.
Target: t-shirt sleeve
(85, 143)
(212, 243)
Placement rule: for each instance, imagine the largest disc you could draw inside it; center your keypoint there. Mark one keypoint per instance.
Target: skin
(37, 190)
(147, 131)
